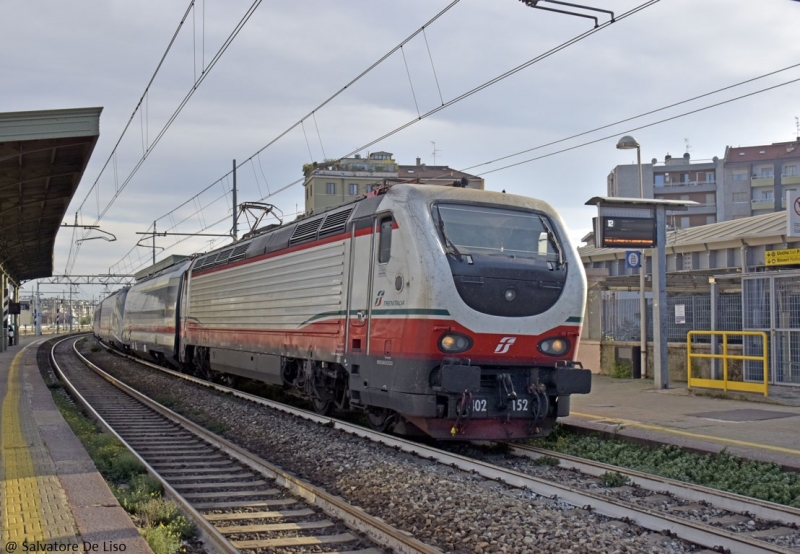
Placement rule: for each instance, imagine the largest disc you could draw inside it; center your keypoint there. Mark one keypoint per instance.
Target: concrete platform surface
(751, 426)
(51, 492)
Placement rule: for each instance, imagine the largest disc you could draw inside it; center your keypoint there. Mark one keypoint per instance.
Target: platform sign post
(660, 354)
(642, 223)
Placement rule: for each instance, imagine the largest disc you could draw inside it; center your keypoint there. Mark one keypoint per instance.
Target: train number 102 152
(516, 405)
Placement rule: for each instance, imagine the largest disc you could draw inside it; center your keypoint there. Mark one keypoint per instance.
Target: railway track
(239, 502)
(730, 532)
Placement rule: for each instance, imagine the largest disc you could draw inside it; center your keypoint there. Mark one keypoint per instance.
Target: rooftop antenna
(434, 152)
(797, 126)
(688, 146)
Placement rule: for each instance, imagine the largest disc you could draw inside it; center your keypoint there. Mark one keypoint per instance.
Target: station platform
(51, 492)
(703, 420)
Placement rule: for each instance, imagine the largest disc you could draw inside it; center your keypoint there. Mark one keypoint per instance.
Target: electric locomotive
(450, 311)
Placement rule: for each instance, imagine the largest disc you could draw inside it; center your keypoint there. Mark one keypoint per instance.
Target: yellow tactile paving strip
(34, 505)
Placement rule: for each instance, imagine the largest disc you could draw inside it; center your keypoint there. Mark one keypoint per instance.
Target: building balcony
(689, 186)
(762, 181)
(762, 204)
(790, 179)
(702, 209)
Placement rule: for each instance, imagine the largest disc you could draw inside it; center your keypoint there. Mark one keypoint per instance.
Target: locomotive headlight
(454, 342)
(510, 294)
(554, 347)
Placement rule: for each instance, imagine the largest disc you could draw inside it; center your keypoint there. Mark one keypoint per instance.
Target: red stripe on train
(390, 337)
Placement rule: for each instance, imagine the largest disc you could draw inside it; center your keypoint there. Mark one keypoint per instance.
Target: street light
(629, 143)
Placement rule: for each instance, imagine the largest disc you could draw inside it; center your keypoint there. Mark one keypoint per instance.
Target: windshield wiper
(551, 236)
(448, 243)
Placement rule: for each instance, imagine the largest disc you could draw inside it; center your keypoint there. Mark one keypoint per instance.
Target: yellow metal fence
(725, 383)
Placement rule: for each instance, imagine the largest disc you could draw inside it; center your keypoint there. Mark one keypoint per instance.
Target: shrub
(621, 369)
(614, 479)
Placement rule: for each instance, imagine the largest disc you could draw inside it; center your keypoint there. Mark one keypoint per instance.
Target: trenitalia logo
(504, 344)
(379, 299)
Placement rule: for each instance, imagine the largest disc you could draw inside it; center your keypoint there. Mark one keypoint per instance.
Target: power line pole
(235, 228)
(154, 243)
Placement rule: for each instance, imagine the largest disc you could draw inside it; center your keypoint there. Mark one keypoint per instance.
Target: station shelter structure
(43, 155)
(740, 275)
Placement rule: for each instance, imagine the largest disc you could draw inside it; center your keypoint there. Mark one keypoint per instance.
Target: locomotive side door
(359, 287)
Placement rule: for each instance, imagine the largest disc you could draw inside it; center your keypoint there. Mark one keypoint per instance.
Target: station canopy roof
(43, 155)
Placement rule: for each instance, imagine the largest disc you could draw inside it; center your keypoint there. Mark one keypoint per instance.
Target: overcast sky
(291, 56)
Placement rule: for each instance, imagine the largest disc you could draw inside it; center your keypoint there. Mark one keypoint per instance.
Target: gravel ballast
(454, 510)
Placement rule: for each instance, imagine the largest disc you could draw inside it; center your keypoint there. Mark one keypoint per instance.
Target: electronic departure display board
(620, 232)
(620, 227)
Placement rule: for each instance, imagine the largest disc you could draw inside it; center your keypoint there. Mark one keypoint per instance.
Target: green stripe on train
(380, 312)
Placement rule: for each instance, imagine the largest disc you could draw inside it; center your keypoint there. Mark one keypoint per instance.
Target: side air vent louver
(238, 253)
(335, 222)
(199, 265)
(222, 257)
(306, 231)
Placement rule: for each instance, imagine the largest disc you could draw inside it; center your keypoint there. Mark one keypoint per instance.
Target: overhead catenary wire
(301, 121)
(226, 44)
(467, 94)
(645, 126)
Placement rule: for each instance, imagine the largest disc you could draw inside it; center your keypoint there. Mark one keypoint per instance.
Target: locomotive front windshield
(471, 229)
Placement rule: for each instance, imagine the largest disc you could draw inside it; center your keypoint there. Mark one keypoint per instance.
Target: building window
(711, 199)
(790, 170)
(684, 177)
(739, 197)
(330, 188)
(353, 189)
(765, 172)
(711, 177)
(659, 179)
(740, 176)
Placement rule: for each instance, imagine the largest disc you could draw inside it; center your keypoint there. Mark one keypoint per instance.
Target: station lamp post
(628, 143)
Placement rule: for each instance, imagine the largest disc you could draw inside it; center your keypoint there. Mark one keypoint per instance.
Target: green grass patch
(168, 401)
(201, 418)
(546, 461)
(621, 369)
(613, 479)
(766, 481)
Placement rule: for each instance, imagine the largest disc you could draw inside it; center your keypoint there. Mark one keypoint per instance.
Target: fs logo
(504, 344)
(379, 298)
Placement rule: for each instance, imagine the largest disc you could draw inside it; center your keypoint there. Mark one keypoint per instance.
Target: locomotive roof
(336, 220)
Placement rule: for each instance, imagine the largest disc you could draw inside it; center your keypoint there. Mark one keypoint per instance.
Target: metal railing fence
(685, 312)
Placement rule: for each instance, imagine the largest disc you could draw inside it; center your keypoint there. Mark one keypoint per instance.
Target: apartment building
(332, 183)
(759, 176)
(747, 181)
(677, 178)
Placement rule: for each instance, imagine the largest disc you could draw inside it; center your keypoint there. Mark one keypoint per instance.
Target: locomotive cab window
(494, 231)
(385, 240)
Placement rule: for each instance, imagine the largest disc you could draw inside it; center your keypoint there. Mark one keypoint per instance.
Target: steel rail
(352, 516)
(698, 533)
(208, 532)
(733, 502)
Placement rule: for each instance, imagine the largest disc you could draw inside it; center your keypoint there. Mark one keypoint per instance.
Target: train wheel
(381, 419)
(322, 407)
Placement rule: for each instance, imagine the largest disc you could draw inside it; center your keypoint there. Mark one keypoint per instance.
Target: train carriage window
(385, 242)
